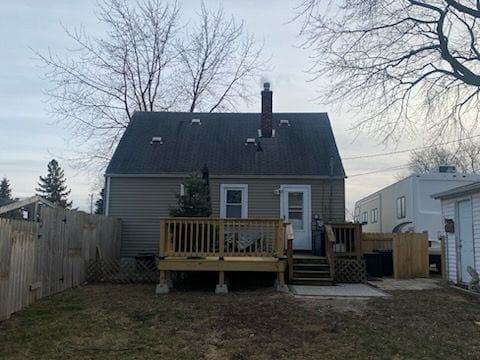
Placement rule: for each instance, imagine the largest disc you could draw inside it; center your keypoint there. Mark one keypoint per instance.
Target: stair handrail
(330, 249)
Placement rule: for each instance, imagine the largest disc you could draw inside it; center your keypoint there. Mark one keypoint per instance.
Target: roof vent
(156, 140)
(447, 169)
(284, 122)
(196, 122)
(250, 141)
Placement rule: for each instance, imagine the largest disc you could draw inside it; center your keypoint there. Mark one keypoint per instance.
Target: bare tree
(217, 62)
(148, 60)
(404, 64)
(465, 157)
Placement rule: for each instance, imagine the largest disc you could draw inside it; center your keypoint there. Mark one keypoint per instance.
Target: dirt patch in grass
(130, 322)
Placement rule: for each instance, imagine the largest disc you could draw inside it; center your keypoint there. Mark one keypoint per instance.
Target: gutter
(184, 175)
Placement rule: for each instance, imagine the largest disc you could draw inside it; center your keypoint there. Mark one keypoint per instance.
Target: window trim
(223, 197)
(403, 209)
(373, 212)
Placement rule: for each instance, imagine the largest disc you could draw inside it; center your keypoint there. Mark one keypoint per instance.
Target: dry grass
(130, 322)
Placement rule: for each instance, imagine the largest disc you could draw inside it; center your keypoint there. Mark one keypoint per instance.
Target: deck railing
(210, 237)
(348, 239)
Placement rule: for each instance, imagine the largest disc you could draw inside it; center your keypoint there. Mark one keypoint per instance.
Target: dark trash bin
(318, 242)
(386, 262)
(373, 261)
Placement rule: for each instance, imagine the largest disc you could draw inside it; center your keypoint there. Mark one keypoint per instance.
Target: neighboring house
(261, 165)
(461, 215)
(407, 204)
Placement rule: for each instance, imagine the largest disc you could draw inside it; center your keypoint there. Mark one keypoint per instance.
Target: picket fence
(41, 258)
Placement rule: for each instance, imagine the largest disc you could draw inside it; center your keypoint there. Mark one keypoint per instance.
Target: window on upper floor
(365, 217)
(401, 207)
(374, 215)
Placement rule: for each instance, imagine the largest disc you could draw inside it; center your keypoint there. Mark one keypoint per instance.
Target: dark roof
(458, 191)
(302, 149)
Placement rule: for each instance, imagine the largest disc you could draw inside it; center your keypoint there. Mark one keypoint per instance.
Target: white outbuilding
(461, 216)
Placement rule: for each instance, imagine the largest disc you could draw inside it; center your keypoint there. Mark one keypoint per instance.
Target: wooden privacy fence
(38, 259)
(409, 252)
(207, 237)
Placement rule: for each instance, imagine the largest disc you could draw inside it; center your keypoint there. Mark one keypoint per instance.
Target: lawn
(130, 322)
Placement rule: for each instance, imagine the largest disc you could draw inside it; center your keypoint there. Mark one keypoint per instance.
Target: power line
(398, 167)
(407, 150)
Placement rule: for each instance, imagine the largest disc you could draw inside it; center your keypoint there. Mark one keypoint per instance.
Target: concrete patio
(353, 291)
(389, 284)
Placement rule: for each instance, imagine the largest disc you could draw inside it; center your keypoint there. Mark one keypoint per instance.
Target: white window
(401, 207)
(182, 190)
(233, 200)
(365, 217)
(374, 215)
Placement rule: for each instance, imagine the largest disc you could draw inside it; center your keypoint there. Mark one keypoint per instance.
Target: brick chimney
(266, 123)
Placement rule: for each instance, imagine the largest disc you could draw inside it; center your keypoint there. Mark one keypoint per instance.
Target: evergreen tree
(99, 203)
(195, 201)
(53, 186)
(5, 190)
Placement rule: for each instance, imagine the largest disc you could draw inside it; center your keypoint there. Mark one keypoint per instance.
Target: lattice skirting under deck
(350, 270)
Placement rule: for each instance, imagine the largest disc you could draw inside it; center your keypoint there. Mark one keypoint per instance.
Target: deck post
(162, 287)
(221, 238)
(281, 282)
(163, 240)
(221, 287)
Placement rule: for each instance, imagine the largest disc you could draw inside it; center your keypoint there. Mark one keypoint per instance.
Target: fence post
(358, 240)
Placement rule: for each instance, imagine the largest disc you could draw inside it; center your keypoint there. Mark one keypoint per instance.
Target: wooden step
(311, 266)
(311, 273)
(310, 259)
(312, 281)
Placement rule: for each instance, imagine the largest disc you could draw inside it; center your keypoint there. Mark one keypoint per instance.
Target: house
(407, 205)
(461, 217)
(262, 166)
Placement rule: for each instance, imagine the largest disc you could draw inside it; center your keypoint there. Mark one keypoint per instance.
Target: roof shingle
(302, 149)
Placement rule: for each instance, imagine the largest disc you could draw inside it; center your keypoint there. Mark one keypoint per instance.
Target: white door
(295, 208)
(465, 239)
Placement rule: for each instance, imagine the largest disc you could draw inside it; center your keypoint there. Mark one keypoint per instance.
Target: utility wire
(398, 167)
(407, 150)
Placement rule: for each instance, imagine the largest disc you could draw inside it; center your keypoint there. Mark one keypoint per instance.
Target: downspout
(107, 195)
(330, 200)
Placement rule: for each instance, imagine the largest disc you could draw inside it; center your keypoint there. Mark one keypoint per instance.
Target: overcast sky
(30, 137)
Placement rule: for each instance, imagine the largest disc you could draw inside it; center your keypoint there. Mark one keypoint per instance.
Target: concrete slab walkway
(338, 291)
(388, 284)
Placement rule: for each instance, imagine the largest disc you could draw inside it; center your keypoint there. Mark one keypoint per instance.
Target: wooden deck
(207, 244)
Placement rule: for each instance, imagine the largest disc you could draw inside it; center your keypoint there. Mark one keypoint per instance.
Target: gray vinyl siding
(263, 202)
(141, 202)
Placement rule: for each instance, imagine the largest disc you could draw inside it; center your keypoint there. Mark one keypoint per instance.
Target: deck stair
(311, 270)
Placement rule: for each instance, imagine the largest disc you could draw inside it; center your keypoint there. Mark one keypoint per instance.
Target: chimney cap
(266, 86)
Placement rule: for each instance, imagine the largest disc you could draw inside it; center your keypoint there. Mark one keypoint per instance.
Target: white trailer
(407, 205)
